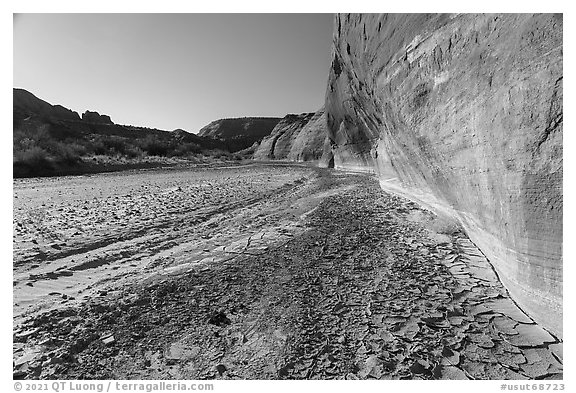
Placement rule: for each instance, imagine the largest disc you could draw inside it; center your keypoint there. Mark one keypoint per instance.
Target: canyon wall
(295, 138)
(239, 133)
(462, 113)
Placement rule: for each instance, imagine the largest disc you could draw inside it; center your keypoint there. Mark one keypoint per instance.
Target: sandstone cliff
(96, 118)
(464, 114)
(295, 138)
(239, 133)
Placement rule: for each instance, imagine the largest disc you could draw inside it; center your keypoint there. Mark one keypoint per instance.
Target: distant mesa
(95, 117)
(237, 127)
(239, 133)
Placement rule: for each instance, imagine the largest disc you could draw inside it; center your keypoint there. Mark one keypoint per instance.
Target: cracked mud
(256, 272)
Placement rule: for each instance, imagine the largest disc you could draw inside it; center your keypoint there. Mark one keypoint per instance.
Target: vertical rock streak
(462, 113)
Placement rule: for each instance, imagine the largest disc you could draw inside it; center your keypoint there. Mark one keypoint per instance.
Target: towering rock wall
(462, 113)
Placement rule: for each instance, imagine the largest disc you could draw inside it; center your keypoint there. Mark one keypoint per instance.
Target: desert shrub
(133, 151)
(23, 143)
(31, 161)
(111, 146)
(63, 152)
(115, 145)
(154, 146)
(33, 156)
(24, 138)
(79, 147)
(185, 149)
(98, 148)
(69, 154)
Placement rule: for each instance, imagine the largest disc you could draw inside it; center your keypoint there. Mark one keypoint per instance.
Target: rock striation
(295, 138)
(96, 118)
(462, 113)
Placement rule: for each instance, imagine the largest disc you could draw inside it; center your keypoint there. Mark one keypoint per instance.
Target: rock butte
(95, 117)
(462, 113)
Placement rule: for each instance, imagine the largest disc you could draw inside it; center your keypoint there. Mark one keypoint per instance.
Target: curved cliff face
(295, 138)
(463, 113)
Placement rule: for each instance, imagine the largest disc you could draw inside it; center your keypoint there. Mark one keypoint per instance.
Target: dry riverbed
(259, 271)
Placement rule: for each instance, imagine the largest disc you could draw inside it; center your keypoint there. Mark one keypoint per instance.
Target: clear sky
(175, 70)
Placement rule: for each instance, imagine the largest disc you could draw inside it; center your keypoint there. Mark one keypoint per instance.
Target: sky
(172, 71)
